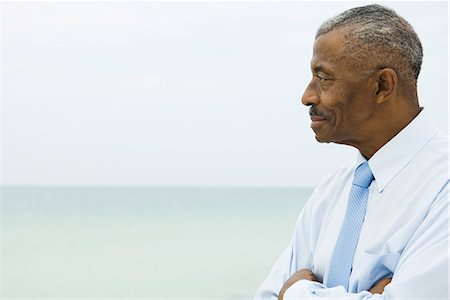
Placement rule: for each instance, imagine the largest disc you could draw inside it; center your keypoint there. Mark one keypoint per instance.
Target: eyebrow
(319, 68)
(320, 65)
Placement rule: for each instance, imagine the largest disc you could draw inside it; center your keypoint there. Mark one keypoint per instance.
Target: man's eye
(321, 78)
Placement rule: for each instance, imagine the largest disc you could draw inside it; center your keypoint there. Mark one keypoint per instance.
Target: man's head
(365, 66)
(378, 37)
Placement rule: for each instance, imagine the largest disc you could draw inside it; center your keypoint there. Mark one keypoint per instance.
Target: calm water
(103, 242)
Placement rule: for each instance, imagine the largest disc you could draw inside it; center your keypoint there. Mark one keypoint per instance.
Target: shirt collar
(395, 154)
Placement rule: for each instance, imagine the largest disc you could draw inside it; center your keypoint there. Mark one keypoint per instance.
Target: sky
(177, 93)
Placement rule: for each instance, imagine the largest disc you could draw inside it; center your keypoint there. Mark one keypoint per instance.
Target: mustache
(314, 112)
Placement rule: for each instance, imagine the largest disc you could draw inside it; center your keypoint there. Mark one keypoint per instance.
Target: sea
(142, 242)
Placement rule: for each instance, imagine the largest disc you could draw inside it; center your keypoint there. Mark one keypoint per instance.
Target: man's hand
(307, 274)
(299, 275)
(378, 288)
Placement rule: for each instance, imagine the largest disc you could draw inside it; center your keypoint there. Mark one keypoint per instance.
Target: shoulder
(332, 184)
(432, 162)
(439, 145)
(338, 176)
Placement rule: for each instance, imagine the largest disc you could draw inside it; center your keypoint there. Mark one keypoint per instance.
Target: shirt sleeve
(421, 273)
(295, 256)
(305, 289)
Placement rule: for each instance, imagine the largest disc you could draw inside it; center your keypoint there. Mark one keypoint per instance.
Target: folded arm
(306, 274)
(421, 272)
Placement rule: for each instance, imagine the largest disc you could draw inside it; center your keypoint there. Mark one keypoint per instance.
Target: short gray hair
(382, 35)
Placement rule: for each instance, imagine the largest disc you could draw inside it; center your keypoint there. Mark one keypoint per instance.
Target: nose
(310, 95)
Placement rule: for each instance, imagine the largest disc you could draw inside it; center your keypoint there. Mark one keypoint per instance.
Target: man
(378, 227)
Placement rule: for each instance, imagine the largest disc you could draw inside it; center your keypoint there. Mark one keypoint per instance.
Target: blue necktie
(341, 262)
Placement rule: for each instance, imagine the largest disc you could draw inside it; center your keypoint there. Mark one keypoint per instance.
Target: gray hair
(384, 37)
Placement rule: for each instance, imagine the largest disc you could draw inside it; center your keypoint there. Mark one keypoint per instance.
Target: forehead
(329, 52)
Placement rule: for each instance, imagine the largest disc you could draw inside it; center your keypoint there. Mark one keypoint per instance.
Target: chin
(322, 139)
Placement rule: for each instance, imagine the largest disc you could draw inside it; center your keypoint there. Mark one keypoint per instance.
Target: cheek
(350, 105)
(341, 102)
(347, 110)
(357, 113)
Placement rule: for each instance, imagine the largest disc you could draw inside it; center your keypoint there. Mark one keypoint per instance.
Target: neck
(386, 129)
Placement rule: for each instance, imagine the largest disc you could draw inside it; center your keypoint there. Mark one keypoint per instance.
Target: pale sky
(177, 93)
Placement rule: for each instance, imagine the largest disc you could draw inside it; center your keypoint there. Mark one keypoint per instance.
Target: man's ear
(386, 84)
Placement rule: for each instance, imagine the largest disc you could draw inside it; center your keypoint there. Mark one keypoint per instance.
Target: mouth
(317, 118)
(317, 121)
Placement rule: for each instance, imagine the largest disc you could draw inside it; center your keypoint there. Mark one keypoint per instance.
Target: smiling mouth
(317, 121)
(317, 118)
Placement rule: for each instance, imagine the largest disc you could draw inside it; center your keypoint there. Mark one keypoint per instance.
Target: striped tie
(341, 262)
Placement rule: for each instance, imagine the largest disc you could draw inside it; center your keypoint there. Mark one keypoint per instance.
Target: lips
(317, 118)
(317, 122)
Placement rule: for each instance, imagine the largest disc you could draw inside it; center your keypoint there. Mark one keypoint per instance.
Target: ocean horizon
(143, 242)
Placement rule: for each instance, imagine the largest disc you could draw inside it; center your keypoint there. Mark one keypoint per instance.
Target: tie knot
(363, 175)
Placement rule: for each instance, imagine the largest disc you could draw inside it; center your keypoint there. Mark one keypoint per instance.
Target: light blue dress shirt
(405, 232)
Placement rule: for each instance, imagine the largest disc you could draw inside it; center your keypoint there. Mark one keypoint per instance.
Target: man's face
(341, 101)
